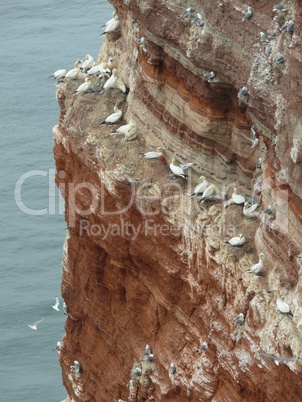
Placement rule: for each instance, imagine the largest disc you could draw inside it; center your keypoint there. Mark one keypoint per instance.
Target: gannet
(59, 74)
(88, 63)
(111, 25)
(210, 192)
(283, 307)
(76, 367)
(98, 67)
(177, 170)
(114, 117)
(263, 37)
(253, 140)
(123, 129)
(202, 347)
(74, 72)
(278, 360)
(239, 320)
(56, 305)
(256, 268)
(200, 188)
(112, 80)
(153, 154)
(250, 212)
(110, 63)
(237, 198)
(85, 86)
(34, 325)
(109, 21)
(131, 134)
(236, 241)
(248, 15)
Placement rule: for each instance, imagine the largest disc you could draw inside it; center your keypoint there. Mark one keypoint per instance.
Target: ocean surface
(37, 38)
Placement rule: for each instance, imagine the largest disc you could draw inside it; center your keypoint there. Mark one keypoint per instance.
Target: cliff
(144, 263)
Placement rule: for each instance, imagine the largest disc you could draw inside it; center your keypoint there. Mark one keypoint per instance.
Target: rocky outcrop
(144, 263)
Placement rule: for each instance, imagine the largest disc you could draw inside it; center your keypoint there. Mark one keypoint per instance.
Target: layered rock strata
(144, 263)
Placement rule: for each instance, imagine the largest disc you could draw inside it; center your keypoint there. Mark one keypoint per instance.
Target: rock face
(144, 263)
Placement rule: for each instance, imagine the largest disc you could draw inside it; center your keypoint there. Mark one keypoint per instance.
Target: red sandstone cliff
(146, 264)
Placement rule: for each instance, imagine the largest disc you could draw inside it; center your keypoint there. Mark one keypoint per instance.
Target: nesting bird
(264, 37)
(76, 367)
(74, 72)
(250, 211)
(235, 199)
(111, 25)
(239, 320)
(113, 117)
(85, 86)
(248, 15)
(58, 347)
(242, 92)
(210, 193)
(177, 170)
(172, 368)
(131, 134)
(236, 241)
(283, 307)
(202, 347)
(256, 268)
(280, 8)
(201, 186)
(288, 26)
(209, 75)
(153, 154)
(88, 63)
(59, 74)
(65, 309)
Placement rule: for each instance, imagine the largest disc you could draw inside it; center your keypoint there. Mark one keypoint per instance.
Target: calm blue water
(37, 38)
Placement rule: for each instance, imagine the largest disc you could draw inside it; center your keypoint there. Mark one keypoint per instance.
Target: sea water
(37, 38)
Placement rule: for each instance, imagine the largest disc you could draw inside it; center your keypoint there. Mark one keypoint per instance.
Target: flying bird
(74, 72)
(253, 140)
(35, 324)
(56, 305)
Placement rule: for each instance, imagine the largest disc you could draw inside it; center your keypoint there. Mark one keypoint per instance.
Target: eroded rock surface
(144, 263)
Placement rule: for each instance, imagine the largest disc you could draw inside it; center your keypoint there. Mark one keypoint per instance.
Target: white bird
(250, 212)
(263, 37)
(34, 325)
(76, 367)
(177, 170)
(253, 140)
(153, 154)
(131, 134)
(111, 25)
(210, 192)
(239, 320)
(109, 21)
(147, 350)
(236, 241)
(56, 305)
(123, 129)
(256, 268)
(58, 347)
(209, 75)
(113, 117)
(98, 68)
(59, 74)
(74, 72)
(172, 368)
(112, 80)
(200, 188)
(88, 63)
(85, 86)
(283, 307)
(65, 309)
(278, 360)
(248, 15)
(235, 199)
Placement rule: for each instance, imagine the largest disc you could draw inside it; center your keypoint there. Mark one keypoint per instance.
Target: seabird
(131, 134)
(137, 371)
(58, 347)
(272, 35)
(210, 192)
(187, 13)
(263, 37)
(259, 163)
(172, 368)
(100, 68)
(269, 210)
(253, 140)
(279, 58)
(65, 309)
(177, 170)
(114, 117)
(85, 86)
(147, 350)
(209, 75)
(283, 307)
(112, 80)
(74, 72)
(236, 241)
(123, 129)
(248, 15)
(242, 92)
(250, 211)
(109, 21)
(34, 325)
(198, 20)
(200, 188)
(56, 305)
(153, 154)
(148, 358)
(235, 199)
(239, 320)
(142, 44)
(256, 268)
(59, 74)
(88, 63)
(288, 26)
(76, 367)
(185, 166)
(112, 25)
(202, 347)
(278, 360)
(279, 8)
